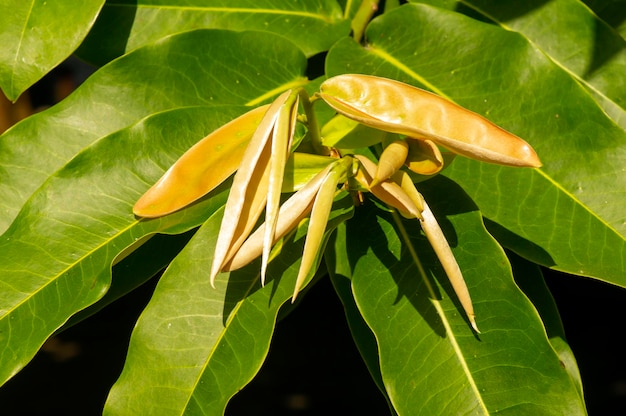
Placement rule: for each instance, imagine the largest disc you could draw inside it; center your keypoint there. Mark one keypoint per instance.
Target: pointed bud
(442, 249)
(391, 160)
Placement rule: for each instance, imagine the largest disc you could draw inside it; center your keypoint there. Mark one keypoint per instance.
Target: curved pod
(201, 168)
(400, 108)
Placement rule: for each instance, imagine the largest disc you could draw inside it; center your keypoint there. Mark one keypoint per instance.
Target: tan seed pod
(201, 168)
(396, 107)
(248, 193)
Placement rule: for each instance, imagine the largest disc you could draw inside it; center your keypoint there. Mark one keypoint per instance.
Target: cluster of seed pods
(257, 146)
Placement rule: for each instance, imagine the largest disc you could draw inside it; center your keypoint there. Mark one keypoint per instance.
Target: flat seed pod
(400, 108)
(201, 168)
(423, 157)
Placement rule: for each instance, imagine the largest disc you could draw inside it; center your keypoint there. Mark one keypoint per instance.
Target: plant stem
(363, 17)
(314, 130)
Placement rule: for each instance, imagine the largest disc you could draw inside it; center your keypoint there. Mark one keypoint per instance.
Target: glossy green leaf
(571, 35)
(301, 168)
(529, 278)
(612, 12)
(183, 70)
(567, 215)
(142, 264)
(194, 346)
(38, 35)
(344, 133)
(363, 336)
(430, 360)
(56, 257)
(124, 25)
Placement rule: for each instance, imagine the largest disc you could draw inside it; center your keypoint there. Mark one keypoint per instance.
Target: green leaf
(612, 12)
(38, 35)
(562, 215)
(124, 25)
(529, 278)
(363, 336)
(430, 359)
(142, 264)
(195, 346)
(192, 68)
(571, 35)
(55, 259)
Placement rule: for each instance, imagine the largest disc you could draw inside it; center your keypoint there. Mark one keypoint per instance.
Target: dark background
(313, 367)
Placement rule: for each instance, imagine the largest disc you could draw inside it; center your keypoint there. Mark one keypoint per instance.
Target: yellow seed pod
(201, 168)
(404, 180)
(391, 160)
(387, 191)
(249, 192)
(438, 241)
(400, 108)
(423, 157)
(297, 207)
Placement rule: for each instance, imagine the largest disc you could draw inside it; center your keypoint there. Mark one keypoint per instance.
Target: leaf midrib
(402, 67)
(228, 10)
(575, 76)
(442, 315)
(19, 48)
(69, 267)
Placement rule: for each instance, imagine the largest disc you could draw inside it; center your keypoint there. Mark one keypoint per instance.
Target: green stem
(364, 14)
(314, 130)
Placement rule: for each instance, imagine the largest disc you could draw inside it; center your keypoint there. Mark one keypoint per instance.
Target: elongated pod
(442, 249)
(248, 193)
(201, 168)
(400, 108)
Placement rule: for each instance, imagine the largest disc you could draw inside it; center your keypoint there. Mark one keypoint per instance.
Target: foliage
(171, 72)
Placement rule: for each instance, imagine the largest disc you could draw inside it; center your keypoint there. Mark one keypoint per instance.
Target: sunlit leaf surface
(313, 25)
(430, 359)
(581, 186)
(183, 70)
(38, 35)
